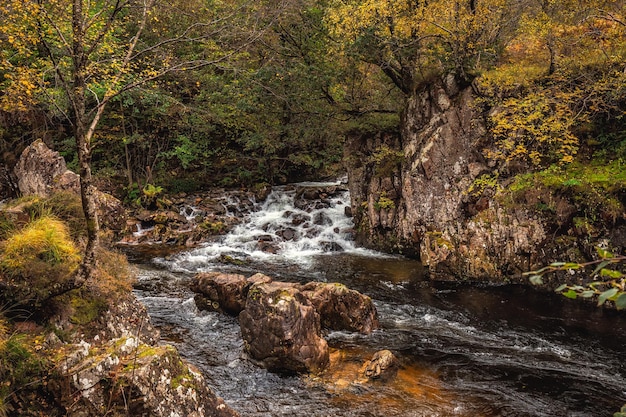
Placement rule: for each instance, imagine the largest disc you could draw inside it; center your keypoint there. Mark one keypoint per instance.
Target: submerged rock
(281, 329)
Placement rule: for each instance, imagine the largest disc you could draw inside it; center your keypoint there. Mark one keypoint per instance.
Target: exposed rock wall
(411, 192)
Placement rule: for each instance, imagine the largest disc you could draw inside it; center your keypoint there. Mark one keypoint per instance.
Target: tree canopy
(263, 91)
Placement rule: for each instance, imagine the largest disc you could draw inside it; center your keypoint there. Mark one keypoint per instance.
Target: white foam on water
(282, 229)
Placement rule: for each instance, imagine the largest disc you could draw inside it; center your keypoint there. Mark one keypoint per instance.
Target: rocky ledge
(88, 351)
(127, 372)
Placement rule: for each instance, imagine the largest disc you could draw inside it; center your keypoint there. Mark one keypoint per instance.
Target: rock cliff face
(414, 192)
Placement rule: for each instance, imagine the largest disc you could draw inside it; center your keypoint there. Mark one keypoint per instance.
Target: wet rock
(303, 205)
(281, 329)
(383, 365)
(300, 218)
(308, 193)
(331, 247)
(287, 234)
(164, 217)
(267, 246)
(347, 211)
(341, 308)
(220, 292)
(322, 219)
(263, 192)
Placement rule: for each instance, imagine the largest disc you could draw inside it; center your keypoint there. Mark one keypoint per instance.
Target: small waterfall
(293, 224)
(141, 231)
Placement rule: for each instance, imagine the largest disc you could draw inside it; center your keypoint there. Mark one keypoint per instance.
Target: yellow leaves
(423, 38)
(20, 90)
(533, 128)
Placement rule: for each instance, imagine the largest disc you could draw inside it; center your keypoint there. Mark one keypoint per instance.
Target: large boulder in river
(42, 172)
(341, 308)
(281, 329)
(226, 293)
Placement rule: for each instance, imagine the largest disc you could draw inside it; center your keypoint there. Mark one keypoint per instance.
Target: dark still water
(465, 350)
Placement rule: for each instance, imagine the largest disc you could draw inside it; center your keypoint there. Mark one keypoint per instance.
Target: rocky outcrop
(189, 220)
(412, 192)
(126, 376)
(281, 322)
(281, 329)
(341, 308)
(111, 364)
(42, 172)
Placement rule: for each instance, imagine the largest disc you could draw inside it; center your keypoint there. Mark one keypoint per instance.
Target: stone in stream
(281, 322)
(226, 293)
(281, 329)
(220, 292)
(341, 308)
(383, 366)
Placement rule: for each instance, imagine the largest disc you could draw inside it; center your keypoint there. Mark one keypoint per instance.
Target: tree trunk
(83, 146)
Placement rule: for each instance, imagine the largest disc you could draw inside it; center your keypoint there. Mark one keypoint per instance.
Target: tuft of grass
(63, 205)
(45, 239)
(35, 259)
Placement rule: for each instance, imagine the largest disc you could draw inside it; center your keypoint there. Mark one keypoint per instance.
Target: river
(465, 350)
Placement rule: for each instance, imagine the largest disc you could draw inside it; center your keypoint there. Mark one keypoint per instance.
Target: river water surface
(465, 350)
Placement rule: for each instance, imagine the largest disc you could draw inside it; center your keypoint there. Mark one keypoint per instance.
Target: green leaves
(607, 295)
(620, 301)
(611, 286)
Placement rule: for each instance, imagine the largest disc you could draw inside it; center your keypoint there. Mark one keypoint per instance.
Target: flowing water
(465, 350)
